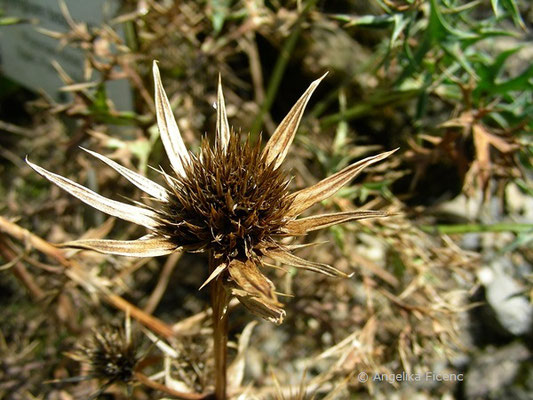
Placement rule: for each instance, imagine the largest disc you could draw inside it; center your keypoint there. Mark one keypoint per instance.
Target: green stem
(219, 304)
(476, 228)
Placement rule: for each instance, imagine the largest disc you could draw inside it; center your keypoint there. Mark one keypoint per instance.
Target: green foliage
(443, 46)
(219, 14)
(10, 20)
(455, 50)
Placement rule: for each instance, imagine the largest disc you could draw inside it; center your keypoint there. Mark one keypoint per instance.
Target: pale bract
(231, 199)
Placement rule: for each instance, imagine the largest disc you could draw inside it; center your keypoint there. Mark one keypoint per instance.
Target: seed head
(230, 200)
(111, 356)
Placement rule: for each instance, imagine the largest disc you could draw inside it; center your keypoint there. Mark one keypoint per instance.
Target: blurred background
(445, 286)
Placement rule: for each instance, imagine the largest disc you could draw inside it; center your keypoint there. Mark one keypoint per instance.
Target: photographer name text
(429, 376)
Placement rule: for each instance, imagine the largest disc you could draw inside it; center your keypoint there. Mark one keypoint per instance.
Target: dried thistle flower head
(111, 355)
(231, 200)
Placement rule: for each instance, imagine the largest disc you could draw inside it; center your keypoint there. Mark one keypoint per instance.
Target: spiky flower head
(111, 355)
(231, 200)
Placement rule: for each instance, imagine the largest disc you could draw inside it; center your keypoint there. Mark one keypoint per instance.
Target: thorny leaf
(218, 270)
(255, 291)
(168, 128)
(143, 183)
(132, 248)
(270, 311)
(305, 198)
(308, 224)
(137, 215)
(247, 277)
(222, 128)
(277, 147)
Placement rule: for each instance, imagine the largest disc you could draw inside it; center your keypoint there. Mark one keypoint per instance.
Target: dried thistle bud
(231, 200)
(112, 357)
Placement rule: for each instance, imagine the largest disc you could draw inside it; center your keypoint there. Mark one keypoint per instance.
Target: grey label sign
(26, 54)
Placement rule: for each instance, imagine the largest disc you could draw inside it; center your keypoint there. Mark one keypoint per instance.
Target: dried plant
(111, 356)
(232, 201)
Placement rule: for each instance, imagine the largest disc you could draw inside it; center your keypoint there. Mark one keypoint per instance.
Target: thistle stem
(219, 304)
